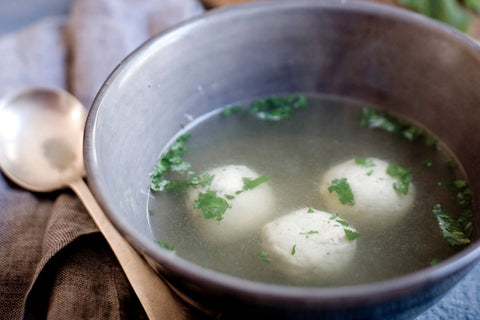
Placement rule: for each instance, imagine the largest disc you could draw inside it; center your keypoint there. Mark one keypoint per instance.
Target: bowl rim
(230, 285)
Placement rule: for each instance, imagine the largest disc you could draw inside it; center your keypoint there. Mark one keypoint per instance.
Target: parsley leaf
(403, 174)
(365, 162)
(309, 233)
(231, 110)
(165, 245)
(310, 210)
(249, 184)
(451, 163)
(277, 108)
(351, 235)
(343, 190)
(293, 249)
(383, 120)
(451, 228)
(263, 256)
(428, 163)
(335, 215)
(212, 206)
(447, 11)
(369, 173)
(343, 223)
(151, 213)
(434, 261)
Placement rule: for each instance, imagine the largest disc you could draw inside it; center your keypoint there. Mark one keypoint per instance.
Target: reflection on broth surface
(293, 154)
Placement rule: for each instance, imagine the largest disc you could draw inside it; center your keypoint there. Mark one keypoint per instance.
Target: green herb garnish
(343, 190)
(277, 108)
(229, 197)
(369, 173)
(432, 143)
(263, 256)
(343, 223)
(434, 261)
(451, 163)
(404, 176)
(249, 184)
(310, 210)
(335, 215)
(151, 213)
(365, 162)
(293, 249)
(212, 206)
(383, 120)
(351, 235)
(165, 245)
(451, 228)
(231, 110)
(427, 163)
(447, 11)
(309, 233)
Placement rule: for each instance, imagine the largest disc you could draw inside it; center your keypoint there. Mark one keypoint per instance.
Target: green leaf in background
(472, 4)
(448, 11)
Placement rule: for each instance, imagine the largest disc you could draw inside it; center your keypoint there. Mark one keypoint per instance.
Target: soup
(284, 159)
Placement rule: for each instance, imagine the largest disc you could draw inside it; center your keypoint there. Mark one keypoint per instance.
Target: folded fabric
(53, 262)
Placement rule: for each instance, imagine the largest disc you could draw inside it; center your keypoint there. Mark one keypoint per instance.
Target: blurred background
(461, 14)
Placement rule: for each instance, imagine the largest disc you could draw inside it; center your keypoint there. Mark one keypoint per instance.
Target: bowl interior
(386, 57)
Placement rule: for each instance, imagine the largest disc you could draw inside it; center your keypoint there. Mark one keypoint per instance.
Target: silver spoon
(41, 141)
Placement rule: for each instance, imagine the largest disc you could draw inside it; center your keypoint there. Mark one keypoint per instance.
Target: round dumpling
(309, 243)
(377, 205)
(248, 210)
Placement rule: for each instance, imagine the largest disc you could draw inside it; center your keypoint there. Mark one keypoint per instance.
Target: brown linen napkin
(54, 264)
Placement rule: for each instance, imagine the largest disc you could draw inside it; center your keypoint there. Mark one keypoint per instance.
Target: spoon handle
(153, 293)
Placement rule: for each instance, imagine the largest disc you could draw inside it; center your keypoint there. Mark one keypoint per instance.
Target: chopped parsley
(383, 120)
(343, 223)
(432, 143)
(231, 110)
(343, 190)
(229, 197)
(427, 163)
(263, 256)
(212, 206)
(310, 210)
(335, 215)
(151, 213)
(434, 261)
(165, 245)
(170, 161)
(450, 227)
(451, 163)
(402, 174)
(365, 162)
(307, 234)
(249, 184)
(351, 235)
(293, 249)
(277, 108)
(369, 173)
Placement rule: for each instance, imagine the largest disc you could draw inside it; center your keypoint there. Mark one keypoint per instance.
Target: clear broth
(294, 153)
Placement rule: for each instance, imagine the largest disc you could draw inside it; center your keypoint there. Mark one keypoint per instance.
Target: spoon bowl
(41, 134)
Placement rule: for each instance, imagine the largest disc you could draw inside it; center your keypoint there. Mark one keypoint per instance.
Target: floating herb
(335, 215)
(151, 213)
(263, 256)
(293, 249)
(404, 176)
(231, 110)
(451, 228)
(212, 206)
(432, 143)
(434, 261)
(229, 197)
(383, 120)
(369, 173)
(365, 162)
(249, 184)
(310, 210)
(165, 245)
(343, 223)
(451, 163)
(427, 163)
(277, 108)
(307, 234)
(343, 190)
(351, 235)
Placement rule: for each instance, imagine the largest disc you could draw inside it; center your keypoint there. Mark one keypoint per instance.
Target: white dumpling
(378, 205)
(322, 249)
(249, 210)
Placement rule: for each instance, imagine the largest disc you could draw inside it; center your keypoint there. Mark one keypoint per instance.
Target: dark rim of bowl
(344, 295)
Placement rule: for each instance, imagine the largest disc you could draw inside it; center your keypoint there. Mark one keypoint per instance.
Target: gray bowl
(382, 55)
